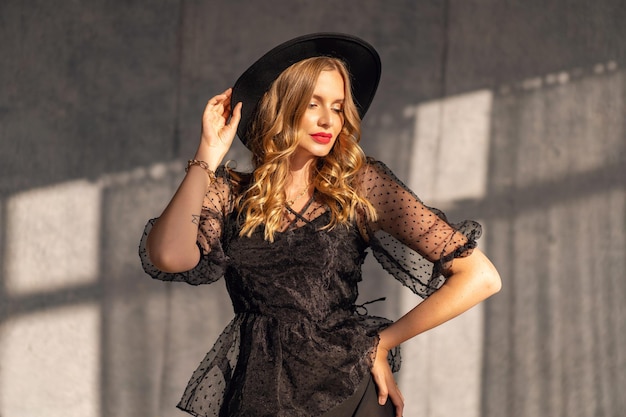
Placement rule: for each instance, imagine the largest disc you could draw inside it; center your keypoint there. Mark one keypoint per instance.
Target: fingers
(387, 387)
(390, 392)
(219, 123)
(383, 393)
(222, 98)
(236, 116)
(397, 399)
(220, 103)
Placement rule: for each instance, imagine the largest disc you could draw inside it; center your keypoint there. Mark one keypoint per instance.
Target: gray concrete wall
(508, 112)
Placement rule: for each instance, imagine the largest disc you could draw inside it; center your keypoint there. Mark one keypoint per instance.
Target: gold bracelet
(204, 166)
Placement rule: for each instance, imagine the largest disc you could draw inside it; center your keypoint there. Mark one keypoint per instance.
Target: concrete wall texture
(510, 112)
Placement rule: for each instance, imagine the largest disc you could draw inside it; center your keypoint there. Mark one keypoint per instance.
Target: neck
(300, 171)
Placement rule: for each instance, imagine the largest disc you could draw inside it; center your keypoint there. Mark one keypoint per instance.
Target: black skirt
(364, 403)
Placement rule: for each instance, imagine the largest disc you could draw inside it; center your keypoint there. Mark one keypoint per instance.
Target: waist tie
(361, 310)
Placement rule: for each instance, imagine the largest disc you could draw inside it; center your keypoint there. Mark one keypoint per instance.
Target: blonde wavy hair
(272, 137)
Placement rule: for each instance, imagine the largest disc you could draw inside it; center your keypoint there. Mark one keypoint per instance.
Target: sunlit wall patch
(450, 149)
(51, 363)
(53, 236)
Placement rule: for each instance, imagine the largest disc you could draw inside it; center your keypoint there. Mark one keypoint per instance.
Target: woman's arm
(405, 228)
(171, 243)
(471, 280)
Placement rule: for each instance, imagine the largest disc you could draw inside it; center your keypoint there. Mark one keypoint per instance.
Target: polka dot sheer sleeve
(210, 268)
(413, 242)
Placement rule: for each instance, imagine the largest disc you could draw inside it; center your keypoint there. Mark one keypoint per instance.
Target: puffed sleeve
(413, 242)
(217, 204)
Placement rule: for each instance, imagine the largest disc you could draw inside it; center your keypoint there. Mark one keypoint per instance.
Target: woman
(290, 239)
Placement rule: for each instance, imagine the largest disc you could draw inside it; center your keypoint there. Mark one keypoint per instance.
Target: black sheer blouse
(297, 345)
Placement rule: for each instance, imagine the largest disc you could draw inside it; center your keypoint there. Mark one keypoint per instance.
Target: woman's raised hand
(172, 240)
(217, 131)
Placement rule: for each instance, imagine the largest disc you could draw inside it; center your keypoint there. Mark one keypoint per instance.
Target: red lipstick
(322, 138)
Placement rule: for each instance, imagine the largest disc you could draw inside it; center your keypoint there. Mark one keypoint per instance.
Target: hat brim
(361, 59)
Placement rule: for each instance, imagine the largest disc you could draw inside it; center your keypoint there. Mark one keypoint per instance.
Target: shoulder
(231, 182)
(375, 173)
(370, 168)
(225, 190)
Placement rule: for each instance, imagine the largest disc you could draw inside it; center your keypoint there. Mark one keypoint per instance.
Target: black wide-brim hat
(360, 57)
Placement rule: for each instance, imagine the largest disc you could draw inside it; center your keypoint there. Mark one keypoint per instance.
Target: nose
(326, 118)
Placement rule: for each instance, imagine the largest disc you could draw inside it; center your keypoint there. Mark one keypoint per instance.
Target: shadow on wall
(542, 163)
(556, 336)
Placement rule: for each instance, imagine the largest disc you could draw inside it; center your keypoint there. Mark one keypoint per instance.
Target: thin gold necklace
(299, 196)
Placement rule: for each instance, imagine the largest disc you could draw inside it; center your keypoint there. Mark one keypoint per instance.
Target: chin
(323, 153)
